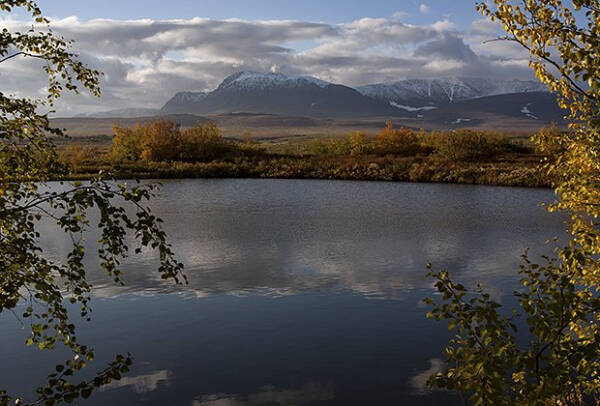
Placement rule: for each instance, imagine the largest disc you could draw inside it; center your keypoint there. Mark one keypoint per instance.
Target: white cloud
(399, 15)
(424, 8)
(146, 61)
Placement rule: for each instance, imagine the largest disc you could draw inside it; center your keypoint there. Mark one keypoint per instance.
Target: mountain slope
(538, 108)
(425, 94)
(274, 93)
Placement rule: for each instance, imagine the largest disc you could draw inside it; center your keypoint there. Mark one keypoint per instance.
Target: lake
(301, 292)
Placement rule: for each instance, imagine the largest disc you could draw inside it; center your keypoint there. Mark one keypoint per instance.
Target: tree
(559, 303)
(47, 290)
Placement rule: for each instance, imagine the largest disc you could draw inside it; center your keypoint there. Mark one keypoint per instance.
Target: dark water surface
(301, 292)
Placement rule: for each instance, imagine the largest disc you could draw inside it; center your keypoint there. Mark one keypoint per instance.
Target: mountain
(428, 94)
(121, 113)
(534, 109)
(442, 101)
(275, 93)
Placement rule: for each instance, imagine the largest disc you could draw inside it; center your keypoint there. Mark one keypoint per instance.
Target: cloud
(399, 15)
(146, 61)
(424, 8)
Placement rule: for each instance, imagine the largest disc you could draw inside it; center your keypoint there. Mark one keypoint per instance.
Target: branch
(22, 53)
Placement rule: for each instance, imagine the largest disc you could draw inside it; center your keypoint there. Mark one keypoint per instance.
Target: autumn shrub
(465, 144)
(75, 155)
(126, 143)
(401, 141)
(330, 147)
(157, 141)
(203, 143)
(161, 141)
(358, 143)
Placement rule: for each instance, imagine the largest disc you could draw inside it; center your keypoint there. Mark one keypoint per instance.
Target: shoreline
(489, 174)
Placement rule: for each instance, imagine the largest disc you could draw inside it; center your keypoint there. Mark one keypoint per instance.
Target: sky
(330, 11)
(150, 50)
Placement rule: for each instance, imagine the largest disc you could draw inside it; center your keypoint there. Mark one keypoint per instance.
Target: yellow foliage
(76, 155)
(126, 143)
(203, 142)
(163, 140)
(400, 141)
(358, 143)
(160, 141)
(559, 300)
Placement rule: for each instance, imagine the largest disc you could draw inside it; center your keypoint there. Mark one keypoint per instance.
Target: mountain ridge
(446, 90)
(276, 93)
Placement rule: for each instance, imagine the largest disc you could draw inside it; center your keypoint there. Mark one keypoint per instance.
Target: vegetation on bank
(164, 150)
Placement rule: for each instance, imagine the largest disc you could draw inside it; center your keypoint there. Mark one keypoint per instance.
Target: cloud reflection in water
(268, 395)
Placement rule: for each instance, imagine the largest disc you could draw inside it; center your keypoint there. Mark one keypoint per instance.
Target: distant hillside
(91, 126)
(121, 113)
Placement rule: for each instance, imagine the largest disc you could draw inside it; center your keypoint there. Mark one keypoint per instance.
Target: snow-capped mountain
(248, 80)
(275, 93)
(423, 94)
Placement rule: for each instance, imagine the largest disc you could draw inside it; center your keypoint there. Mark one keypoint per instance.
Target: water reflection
(277, 238)
(141, 383)
(280, 273)
(268, 395)
(419, 381)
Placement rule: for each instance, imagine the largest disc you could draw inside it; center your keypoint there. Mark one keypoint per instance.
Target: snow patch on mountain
(411, 108)
(525, 110)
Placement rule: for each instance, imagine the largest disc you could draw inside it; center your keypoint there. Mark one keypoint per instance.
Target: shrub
(466, 145)
(358, 143)
(75, 155)
(158, 141)
(126, 144)
(318, 147)
(402, 141)
(330, 147)
(203, 143)
(161, 141)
